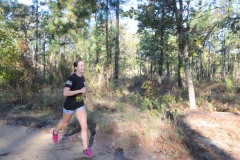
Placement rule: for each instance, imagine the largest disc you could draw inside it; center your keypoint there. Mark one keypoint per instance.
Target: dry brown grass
(155, 135)
(136, 131)
(215, 96)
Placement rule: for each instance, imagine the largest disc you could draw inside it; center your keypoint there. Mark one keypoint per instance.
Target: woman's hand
(83, 90)
(88, 90)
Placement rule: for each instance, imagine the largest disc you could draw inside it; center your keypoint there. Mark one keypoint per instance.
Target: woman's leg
(63, 122)
(82, 118)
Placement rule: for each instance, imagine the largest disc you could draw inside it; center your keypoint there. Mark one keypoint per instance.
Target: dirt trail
(24, 143)
(212, 135)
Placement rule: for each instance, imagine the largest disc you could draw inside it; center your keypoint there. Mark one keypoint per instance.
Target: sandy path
(214, 135)
(211, 135)
(24, 143)
(21, 143)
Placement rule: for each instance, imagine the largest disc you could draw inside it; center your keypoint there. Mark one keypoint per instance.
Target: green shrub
(49, 98)
(167, 99)
(153, 104)
(238, 89)
(135, 99)
(120, 106)
(146, 104)
(6, 101)
(229, 83)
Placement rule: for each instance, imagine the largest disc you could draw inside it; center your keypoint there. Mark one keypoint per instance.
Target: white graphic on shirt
(69, 82)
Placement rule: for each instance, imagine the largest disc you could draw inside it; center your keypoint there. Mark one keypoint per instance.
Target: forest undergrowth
(134, 115)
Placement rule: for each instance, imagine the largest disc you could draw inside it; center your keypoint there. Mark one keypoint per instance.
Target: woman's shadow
(92, 127)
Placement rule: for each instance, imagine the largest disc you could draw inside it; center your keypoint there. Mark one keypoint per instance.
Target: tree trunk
(44, 56)
(107, 48)
(117, 50)
(179, 21)
(161, 46)
(209, 65)
(168, 64)
(236, 66)
(97, 43)
(180, 65)
(140, 65)
(223, 60)
(183, 51)
(36, 34)
(151, 69)
(191, 93)
(199, 66)
(106, 66)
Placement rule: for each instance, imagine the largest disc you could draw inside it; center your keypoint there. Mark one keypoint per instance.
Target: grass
(216, 96)
(135, 130)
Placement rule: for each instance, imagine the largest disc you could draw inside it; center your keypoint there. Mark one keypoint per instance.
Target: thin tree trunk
(236, 66)
(208, 68)
(106, 65)
(107, 35)
(180, 66)
(167, 64)
(161, 46)
(223, 60)
(209, 65)
(117, 51)
(110, 49)
(201, 70)
(140, 65)
(179, 21)
(36, 34)
(151, 69)
(44, 56)
(97, 45)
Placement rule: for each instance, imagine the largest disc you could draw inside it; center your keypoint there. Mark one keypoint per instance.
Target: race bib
(79, 97)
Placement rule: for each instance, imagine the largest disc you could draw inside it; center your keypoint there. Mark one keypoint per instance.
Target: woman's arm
(67, 92)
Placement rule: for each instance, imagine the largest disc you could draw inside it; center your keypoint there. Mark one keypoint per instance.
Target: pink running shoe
(87, 153)
(55, 137)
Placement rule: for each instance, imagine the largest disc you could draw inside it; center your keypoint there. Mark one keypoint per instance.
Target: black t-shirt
(74, 82)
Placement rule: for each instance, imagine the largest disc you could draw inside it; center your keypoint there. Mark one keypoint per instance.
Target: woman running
(74, 91)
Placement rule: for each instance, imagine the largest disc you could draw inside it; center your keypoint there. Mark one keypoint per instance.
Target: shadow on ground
(199, 146)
